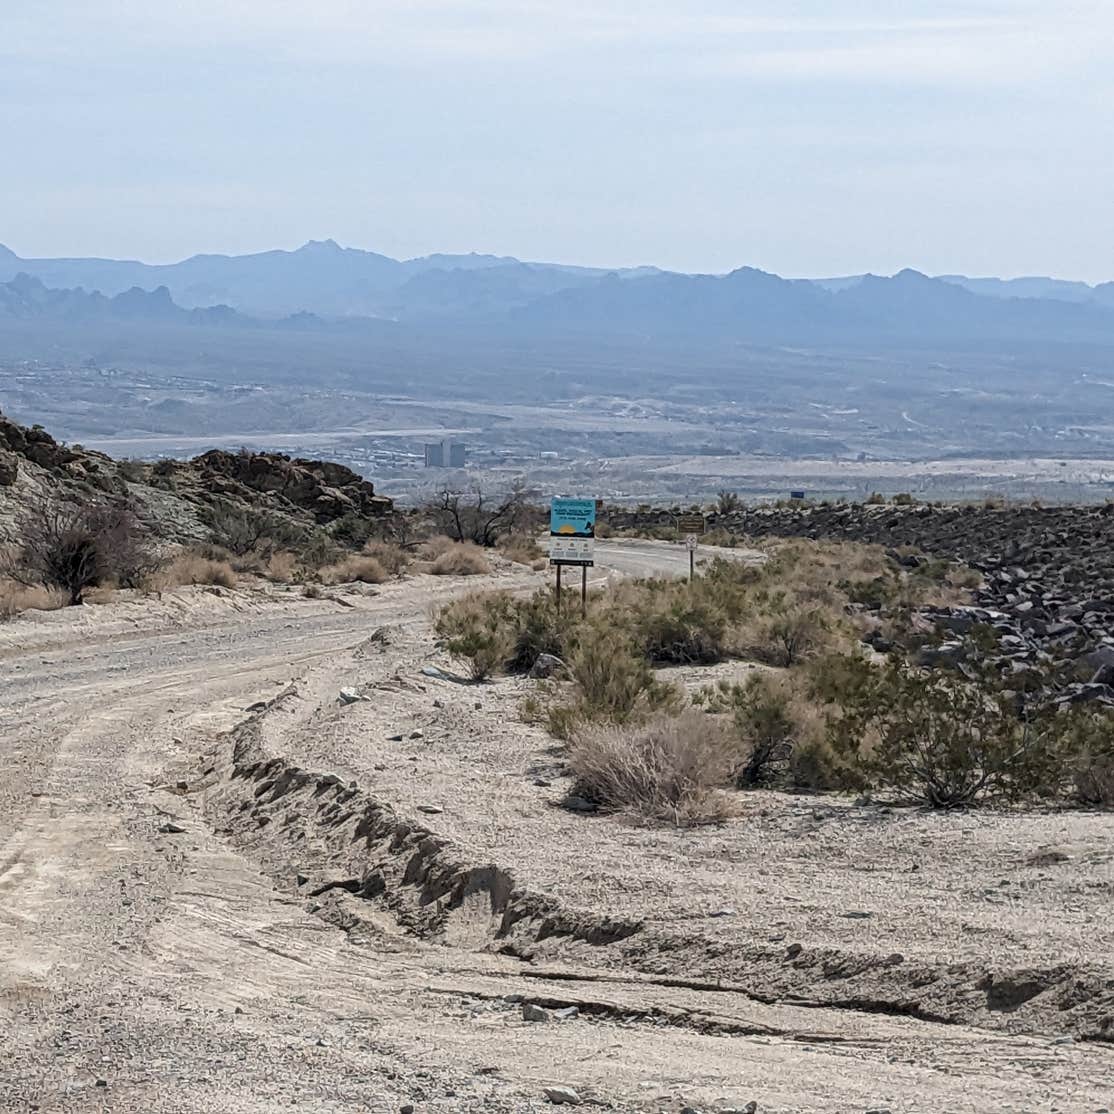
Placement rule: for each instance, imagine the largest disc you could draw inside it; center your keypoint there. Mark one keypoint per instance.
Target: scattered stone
(300, 879)
(350, 696)
(406, 1108)
(432, 810)
(726, 912)
(513, 999)
(579, 804)
(546, 666)
(170, 828)
(395, 738)
(856, 915)
(562, 1096)
(417, 734)
(101, 1083)
(568, 1013)
(530, 1012)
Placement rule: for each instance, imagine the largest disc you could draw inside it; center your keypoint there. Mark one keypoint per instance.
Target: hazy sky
(806, 137)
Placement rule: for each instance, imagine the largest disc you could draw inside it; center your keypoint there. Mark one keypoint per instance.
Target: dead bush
(73, 548)
(476, 628)
(282, 566)
(479, 517)
(672, 768)
(523, 549)
(356, 568)
(17, 598)
(392, 557)
(192, 568)
(460, 559)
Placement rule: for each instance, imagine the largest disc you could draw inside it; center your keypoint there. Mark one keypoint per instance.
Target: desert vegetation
(816, 709)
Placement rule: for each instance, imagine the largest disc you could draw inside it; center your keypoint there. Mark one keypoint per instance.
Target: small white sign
(691, 541)
(572, 550)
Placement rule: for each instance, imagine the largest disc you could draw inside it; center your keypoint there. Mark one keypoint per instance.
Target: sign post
(692, 526)
(572, 539)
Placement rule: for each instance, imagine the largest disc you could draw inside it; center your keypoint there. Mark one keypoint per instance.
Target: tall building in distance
(445, 454)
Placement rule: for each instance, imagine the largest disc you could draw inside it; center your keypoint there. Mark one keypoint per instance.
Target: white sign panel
(571, 550)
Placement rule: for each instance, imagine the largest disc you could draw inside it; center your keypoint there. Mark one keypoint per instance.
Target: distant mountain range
(325, 287)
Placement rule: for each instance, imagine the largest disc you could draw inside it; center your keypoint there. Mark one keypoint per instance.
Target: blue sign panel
(572, 518)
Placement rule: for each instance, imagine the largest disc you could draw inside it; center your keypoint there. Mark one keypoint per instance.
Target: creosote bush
(192, 568)
(475, 629)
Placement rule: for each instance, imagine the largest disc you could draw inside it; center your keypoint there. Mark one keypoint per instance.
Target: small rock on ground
(562, 1096)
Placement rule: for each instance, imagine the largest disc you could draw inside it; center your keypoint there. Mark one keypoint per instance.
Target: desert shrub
(352, 529)
(17, 598)
(432, 547)
(1085, 742)
(538, 629)
(282, 566)
(73, 548)
(134, 471)
(934, 737)
(612, 682)
(727, 502)
(903, 499)
(679, 625)
(771, 718)
(874, 499)
(390, 555)
(355, 567)
(671, 768)
(720, 537)
(523, 549)
(476, 629)
(243, 530)
(192, 568)
(318, 550)
(460, 559)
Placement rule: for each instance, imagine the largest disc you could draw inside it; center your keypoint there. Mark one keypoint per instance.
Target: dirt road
(156, 954)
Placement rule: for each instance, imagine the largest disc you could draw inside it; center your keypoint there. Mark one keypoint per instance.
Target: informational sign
(568, 550)
(690, 523)
(691, 542)
(572, 518)
(796, 495)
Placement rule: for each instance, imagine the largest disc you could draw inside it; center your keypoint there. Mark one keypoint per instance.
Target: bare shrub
(476, 629)
(74, 548)
(460, 559)
(477, 516)
(356, 568)
(671, 769)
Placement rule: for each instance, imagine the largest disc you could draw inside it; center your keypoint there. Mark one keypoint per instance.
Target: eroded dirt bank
(199, 910)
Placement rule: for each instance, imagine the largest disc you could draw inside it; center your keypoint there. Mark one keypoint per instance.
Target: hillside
(178, 501)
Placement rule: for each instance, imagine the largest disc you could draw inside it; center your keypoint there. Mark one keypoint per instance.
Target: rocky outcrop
(326, 490)
(175, 499)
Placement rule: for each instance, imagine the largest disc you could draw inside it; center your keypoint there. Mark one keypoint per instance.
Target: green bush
(476, 629)
(935, 737)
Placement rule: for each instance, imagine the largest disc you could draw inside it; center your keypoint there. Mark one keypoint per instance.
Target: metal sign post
(572, 539)
(692, 526)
